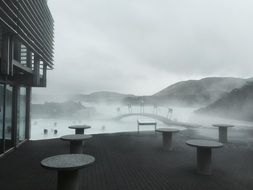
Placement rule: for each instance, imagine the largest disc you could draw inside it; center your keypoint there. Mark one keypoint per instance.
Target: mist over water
(102, 121)
(180, 40)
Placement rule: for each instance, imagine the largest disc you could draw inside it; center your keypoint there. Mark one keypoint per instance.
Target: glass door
(1, 118)
(8, 129)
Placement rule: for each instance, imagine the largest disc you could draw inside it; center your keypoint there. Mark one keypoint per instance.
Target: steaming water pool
(98, 126)
(103, 124)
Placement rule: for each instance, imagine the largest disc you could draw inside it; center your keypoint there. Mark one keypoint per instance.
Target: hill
(199, 92)
(185, 93)
(103, 97)
(238, 104)
(60, 110)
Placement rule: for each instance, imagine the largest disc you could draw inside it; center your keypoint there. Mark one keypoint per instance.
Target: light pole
(142, 106)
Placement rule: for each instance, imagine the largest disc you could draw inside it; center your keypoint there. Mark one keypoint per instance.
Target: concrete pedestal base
(79, 131)
(68, 180)
(223, 131)
(67, 167)
(167, 141)
(204, 157)
(76, 147)
(223, 134)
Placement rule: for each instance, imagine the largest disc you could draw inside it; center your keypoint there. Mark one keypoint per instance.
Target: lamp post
(142, 106)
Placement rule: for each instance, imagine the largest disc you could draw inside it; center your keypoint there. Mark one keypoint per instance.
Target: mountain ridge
(200, 92)
(238, 104)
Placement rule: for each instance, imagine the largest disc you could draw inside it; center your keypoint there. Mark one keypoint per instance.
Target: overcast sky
(142, 46)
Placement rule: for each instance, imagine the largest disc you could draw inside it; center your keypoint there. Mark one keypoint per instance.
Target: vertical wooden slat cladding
(33, 24)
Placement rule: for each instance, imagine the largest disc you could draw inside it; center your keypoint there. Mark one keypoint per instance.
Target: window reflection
(22, 114)
(8, 118)
(1, 117)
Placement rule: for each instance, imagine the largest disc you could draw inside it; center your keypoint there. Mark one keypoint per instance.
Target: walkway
(127, 161)
(163, 119)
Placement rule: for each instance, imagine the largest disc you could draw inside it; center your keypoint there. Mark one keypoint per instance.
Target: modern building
(26, 53)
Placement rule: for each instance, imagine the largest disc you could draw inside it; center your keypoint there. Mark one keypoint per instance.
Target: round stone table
(167, 137)
(223, 132)
(67, 166)
(79, 129)
(76, 142)
(204, 154)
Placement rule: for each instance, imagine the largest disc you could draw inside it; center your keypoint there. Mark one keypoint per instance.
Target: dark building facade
(26, 53)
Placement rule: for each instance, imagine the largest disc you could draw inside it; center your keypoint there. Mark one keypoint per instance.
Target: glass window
(22, 114)
(1, 118)
(8, 132)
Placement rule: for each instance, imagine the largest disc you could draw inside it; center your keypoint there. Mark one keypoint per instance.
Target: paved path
(127, 161)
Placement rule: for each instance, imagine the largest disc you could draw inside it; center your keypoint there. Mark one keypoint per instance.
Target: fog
(140, 47)
(101, 117)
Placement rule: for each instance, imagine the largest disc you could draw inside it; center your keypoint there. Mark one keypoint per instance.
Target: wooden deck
(127, 161)
(159, 118)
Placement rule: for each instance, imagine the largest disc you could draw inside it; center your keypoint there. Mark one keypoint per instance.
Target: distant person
(103, 128)
(45, 131)
(55, 132)
(169, 114)
(55, 124)
(129, 108)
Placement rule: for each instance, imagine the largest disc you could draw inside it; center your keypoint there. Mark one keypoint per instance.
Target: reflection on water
(103, 124)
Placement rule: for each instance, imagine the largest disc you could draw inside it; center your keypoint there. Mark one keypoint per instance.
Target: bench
(145, 122)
